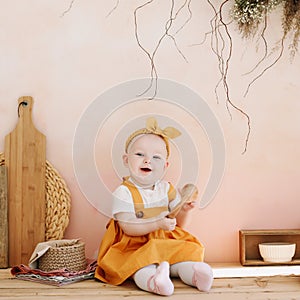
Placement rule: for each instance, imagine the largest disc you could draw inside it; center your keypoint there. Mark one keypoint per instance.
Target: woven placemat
(58, 203)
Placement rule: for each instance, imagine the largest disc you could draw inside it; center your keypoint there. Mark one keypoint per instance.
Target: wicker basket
(71, 257)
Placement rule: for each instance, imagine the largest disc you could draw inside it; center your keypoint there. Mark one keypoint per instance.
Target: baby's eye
(156, 157)
(139, 154)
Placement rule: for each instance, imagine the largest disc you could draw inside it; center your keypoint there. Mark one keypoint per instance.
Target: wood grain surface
(25, 158)
(3, 218)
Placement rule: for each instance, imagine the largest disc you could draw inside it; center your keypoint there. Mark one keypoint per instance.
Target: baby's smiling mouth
(147, 170)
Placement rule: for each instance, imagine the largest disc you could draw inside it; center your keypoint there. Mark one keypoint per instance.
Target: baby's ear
(167, 164)
(125, 159)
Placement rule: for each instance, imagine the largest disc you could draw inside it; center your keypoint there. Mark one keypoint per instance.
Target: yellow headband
(153, 128)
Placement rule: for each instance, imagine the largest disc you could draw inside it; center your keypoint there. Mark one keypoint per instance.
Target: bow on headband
(168, 132)
(153, 128)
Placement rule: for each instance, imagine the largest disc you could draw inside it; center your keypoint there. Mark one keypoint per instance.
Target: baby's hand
(189, 206)
(167, 224)
(190, 194)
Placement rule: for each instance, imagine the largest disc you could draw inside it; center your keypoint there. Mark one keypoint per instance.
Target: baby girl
(145, 239)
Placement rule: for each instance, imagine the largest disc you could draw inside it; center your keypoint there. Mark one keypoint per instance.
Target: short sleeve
(122, 201)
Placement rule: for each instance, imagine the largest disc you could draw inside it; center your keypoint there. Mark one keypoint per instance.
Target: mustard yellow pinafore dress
(121, 255)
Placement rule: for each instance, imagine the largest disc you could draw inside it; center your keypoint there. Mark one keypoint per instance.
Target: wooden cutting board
(3, 218)
(25, 159)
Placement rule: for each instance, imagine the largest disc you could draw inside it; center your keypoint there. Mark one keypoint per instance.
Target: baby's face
(146, 160)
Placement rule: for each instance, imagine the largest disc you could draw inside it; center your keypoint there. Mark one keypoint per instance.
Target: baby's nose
(147, 160)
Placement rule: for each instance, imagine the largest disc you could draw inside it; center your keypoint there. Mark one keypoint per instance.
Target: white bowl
(277, 252)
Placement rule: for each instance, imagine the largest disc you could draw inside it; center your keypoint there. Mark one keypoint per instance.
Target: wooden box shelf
(249, 240)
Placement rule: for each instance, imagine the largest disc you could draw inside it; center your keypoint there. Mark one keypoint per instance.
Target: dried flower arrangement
(251, 18)
(250, 14)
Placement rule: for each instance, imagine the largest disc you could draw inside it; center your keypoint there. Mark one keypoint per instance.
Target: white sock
(155, 279)
(198, 274)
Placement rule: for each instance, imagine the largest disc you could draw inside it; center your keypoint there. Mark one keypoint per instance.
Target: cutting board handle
(25, 106)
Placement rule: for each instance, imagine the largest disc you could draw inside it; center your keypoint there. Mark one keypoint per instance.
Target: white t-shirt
(123, 202)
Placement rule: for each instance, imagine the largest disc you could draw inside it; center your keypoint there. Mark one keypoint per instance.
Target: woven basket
(58, 202)
(71, 257)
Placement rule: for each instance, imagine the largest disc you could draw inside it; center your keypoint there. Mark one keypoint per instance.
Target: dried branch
(268, 67)
(262, 36)
(148, 54)
(188, 4)
(113, 9)
(249, 16)
(167, 34)
(221, 41)
(68, 9)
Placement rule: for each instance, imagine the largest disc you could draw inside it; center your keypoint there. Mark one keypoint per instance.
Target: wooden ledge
(232, 270)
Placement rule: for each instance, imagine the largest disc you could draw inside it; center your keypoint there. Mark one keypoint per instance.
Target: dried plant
(251, 17)
(250, 13)
(291, 23)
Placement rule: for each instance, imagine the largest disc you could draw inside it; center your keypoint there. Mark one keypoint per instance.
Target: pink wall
(66, 62)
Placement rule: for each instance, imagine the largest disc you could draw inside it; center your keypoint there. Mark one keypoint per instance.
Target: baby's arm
(133, 226)
(189, 195)
(183, 217)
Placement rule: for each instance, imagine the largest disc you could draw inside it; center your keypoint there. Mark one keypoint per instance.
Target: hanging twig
(167, 34)
(219, 45)
(148, 54)
(68, 9)
(188, 5)
(113, 9)
(262, 36)
(267, 68)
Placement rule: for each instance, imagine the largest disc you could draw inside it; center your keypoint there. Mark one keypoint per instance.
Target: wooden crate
(249, 240)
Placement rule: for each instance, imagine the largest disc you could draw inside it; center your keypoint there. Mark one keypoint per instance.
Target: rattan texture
(58, 202)
(71, 257)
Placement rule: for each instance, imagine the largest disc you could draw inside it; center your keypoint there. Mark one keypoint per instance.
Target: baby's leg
(198, 274)
(155, 279)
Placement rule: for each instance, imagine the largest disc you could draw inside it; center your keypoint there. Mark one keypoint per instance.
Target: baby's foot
(160, 283)
(203, 276)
